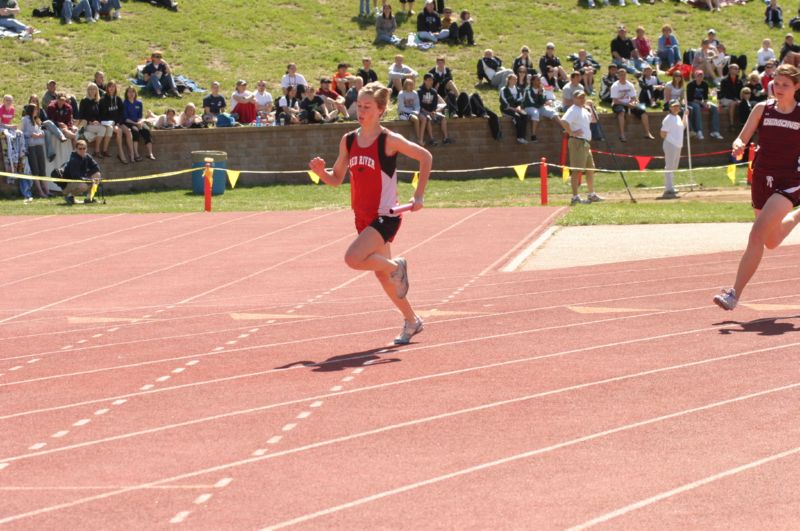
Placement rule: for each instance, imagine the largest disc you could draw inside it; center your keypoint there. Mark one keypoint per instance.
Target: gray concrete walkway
(602, 244)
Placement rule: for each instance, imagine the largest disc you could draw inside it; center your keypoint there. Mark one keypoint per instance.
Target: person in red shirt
(370, 155)
(776, 176)
(7, 110)
(333, 100)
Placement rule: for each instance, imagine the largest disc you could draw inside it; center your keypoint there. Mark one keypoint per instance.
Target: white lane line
(59, 434)
(358, 371)
(178, 370)
(193, 362)
(82, 341)
(336, 388)
(217, 349)
(148, 316)
(3, 465)
(101, 411)
(37, 446)
(518, 457)
(97, 335)
(683, 488)
(163, 378)
(113, 329)
(224, 482)
(101, 487)
(66, 347)
(82, 422)
(289, 427)
(275, 439)
(180, 517)
(34, 360)
(242, 336)
(253, 330)
(146, 387)
(118, 402)
(529, 250)
(160, 311)
(260, 452)
(15, 368)
(316, 404)
(348, 378)
(231, 342)
(200, 500)
(304, 415)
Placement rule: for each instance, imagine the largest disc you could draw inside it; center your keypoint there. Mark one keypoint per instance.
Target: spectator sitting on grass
(333, 100)
(621, 49)
(450, 25)
(158, 76)
(289, 107)
(74, 9)
(669, 52)
(535, 105)
(788, 47)
(429, 24)
(264, 102)
(606, 82)
(643, 47)
(293, 79)
(491, 69)
(764, 54)
(7, 112)
(757, 92)
(624, 101)
(586, 67)
(81, 167)
(523, 59)
(366, 73)
(243, 103)
(465, 31)
(213, 104)
(651, 90)
(108, 9)
(49, 94)
(773, 15)
(8, 12)
(188, 118)
(100, 81)
(342, 79)
(795, 22)
(549, 61)
(398, 72)
(313, 110)
(385, 26)
(408, 108)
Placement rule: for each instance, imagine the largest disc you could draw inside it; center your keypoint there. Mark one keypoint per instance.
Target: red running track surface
(229, 371)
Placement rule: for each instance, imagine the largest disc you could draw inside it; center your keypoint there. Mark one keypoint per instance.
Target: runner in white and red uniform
(370, 155)
(776, 176)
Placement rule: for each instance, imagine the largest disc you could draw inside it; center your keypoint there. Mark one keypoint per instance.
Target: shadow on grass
(347, 361)
(763, 327)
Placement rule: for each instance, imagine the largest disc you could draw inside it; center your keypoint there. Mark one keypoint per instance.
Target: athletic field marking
(101, 487)
(118, 402)
(316, 404)
(200, 500)
(514, 264)
(148, 316)
(542, 226)
(289, 427)
(15, 368)
(81, 342)
(275, 439)
(600, 309)
(224, 482)
(217, 349)
(265, 316)
(407, 350)
(178, 370)
(27, 219)
(684, 488)
(37, 446)
(231, 342)
(772, 307)
(113, 329)
(193, 362)
(66, 347)
(163, 378)
(242, 336)
(180, 517)
(161, 270)
(541, 394)
(3, 465)
(59, 434)
(101, 411)
(336, 388)
(97, 320)
(82, 422)
(304, 415)
(34, 360)
(125, 251)
(384, 429)
(146, 387)
(96, 236)
(260, 452)
(61, 227)
(347, 378)
(358, 371)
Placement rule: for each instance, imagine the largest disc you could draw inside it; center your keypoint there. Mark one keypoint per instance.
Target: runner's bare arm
(398, 144)
(748, 130)
(335, 177)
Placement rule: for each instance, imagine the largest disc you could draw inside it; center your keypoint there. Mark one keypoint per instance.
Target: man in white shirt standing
(672, 130)
(624, 101)
(576, 123)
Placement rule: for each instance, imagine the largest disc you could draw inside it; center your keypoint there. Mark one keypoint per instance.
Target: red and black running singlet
(779, 142)
(373, 178)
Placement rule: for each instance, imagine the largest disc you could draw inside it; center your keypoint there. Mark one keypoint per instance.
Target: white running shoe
(727, 299)
(409, 330)
(700, 135)
(399, 277)
(716, 135)
(621, 3)
(594, 198)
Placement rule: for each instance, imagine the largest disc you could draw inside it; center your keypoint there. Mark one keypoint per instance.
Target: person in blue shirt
(133, 111)
(213, 104)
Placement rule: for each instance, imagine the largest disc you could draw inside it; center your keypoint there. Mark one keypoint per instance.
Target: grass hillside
(253, 39)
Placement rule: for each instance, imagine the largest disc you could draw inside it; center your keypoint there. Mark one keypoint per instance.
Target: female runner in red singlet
(776, 176)
(370, 153)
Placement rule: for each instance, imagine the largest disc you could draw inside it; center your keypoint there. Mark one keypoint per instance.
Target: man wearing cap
(621, 48)
(429, 24)
(672, 129)
(158, 76)
(576, 122)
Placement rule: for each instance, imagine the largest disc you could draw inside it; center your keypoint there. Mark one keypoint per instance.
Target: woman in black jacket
(112, 113)
(90, 124)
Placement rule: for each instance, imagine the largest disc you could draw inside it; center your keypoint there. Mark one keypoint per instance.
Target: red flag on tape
(642, 161)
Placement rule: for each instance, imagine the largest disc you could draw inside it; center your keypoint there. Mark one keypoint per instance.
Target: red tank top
(779, 141)
(373, 177)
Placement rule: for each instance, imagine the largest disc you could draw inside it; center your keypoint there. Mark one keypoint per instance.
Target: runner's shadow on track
(347, 361)
(763, 327)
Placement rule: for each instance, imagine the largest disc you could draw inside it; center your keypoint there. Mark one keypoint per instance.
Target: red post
(562, 161)
(208, 176)
(543, 179)
(750, 154)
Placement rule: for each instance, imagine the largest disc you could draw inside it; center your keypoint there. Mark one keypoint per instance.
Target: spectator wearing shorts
(408, 108)
(624, 101)
(91, 122)
(213, 104)
(264, 102)
(398, 72)
(429, 102)
(535, 105)
(577, 124)
(408, 6)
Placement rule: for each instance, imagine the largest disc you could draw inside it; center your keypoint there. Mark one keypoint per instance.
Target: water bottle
(258, 120)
